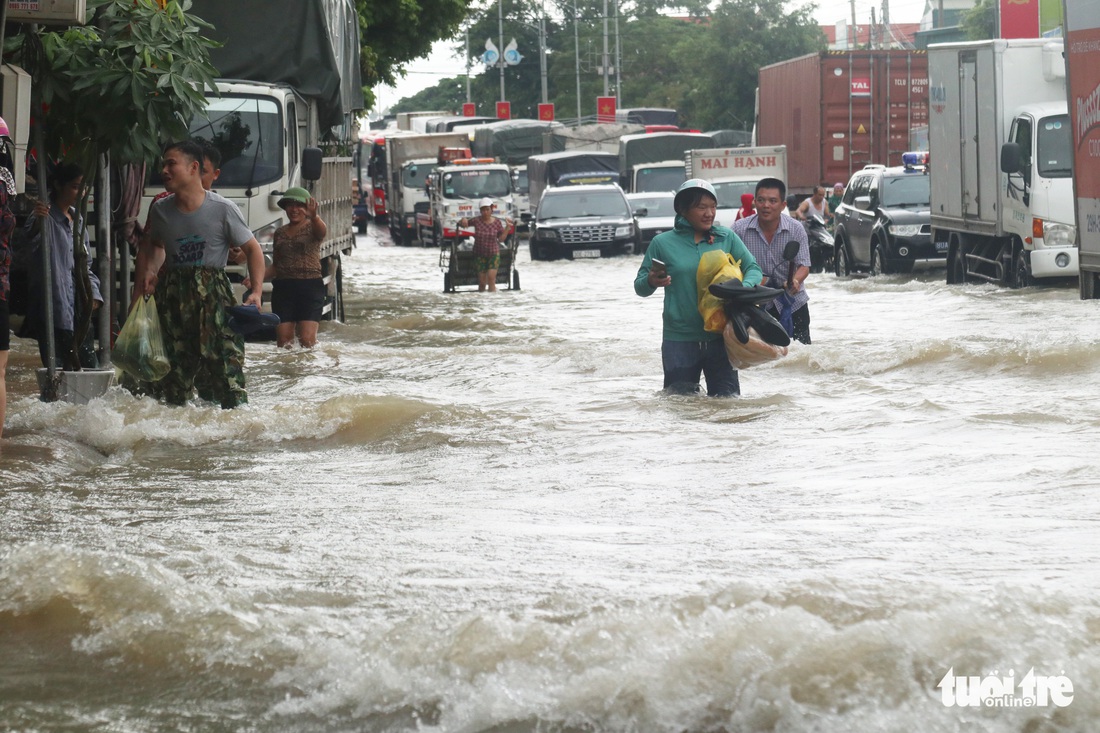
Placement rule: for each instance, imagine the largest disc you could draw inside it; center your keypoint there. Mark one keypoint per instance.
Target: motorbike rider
(816, 205)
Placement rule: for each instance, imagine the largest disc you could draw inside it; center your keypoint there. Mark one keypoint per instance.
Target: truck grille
(587, 234)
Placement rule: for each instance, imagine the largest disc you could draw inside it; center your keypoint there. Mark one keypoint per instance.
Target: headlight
(266, 235)
(626, 230)
(1059, 235)
(551, 235)
(905, 230)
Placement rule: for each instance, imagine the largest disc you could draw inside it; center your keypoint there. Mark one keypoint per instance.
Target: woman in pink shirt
(489, 232)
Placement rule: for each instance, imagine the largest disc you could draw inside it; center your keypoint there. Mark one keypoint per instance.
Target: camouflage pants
(206, 355)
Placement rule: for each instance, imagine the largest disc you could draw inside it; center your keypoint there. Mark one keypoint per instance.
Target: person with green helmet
(688, 350)
(297, 285)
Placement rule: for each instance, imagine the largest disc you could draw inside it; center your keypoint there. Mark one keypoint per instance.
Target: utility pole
(853, 37)
(605, 61)
(468, 100)
(500, 23)
(618, 60)
(577, 48)
(542, 53)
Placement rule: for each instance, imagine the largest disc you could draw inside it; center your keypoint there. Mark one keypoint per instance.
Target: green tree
(980, 22)
(395, 32)
(743, 35)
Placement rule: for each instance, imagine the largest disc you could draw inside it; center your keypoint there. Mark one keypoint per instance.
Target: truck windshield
(729, 193)
(659, 179)
(248, 131)
(910, 189)
(576, 203)
(473, 184)
(415, 175)
(1055, 157)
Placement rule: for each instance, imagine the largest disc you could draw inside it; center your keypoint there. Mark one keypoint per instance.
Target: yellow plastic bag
(756, 351)
(715, 266)
(139, 348)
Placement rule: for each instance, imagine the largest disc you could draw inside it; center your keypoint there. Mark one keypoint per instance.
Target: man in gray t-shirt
(191, 233)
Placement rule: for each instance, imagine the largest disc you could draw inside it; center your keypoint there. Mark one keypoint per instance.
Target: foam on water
(819, 655)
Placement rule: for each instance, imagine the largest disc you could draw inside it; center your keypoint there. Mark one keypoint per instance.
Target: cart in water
(456, 259)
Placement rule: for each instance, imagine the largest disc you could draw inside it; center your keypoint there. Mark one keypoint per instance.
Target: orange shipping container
(837, 111)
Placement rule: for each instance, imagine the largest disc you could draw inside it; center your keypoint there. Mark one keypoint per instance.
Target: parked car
(582, 221)
(883, 223)
(654, 214)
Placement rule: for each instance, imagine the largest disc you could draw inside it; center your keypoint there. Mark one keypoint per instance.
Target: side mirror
(863, 203)
(641, 212)
(526, 216)
(1011, 158)
(790, 250)
(311, 164)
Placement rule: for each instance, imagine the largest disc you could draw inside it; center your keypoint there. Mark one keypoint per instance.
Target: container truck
(416, 121)
(579, 166)
(1001, 161)
(655, 161)
(1082, 26)
(735, 171)
(270, 107)
(409, 160)
(838, 112)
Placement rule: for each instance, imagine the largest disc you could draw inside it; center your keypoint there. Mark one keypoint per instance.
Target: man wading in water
(192, 233)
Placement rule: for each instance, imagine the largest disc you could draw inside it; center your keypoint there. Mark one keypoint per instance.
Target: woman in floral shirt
(489, 232)
(7, 226)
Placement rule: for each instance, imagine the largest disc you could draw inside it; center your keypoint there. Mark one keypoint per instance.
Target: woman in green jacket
(687, 349)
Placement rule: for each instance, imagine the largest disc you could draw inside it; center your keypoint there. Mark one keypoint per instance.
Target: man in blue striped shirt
(766, 233)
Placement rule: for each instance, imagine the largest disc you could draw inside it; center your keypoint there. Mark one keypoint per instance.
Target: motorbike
(821, 244)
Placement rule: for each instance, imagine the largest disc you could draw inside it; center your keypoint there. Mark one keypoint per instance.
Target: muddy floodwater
(467, 512)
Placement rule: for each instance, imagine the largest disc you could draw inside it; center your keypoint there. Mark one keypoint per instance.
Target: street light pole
(605, 70)
(577, 50)
(500, 26)
(542, 53)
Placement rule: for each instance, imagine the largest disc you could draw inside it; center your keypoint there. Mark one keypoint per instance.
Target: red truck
(837, 111)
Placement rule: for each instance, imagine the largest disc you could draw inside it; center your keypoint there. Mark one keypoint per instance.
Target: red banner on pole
(1019, 18)
(546, 112)
(605, 109)
(469, 109)
(504, 110)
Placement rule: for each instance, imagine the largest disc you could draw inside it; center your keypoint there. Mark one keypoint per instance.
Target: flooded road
(469, 512)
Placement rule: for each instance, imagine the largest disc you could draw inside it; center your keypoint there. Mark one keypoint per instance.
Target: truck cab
(453, 193)
(1038, 162)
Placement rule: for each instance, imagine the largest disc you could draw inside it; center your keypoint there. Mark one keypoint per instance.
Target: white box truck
(734, 171)
(409, 161)
(1001, 161)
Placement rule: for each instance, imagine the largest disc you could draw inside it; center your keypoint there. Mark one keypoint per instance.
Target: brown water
(479, 513)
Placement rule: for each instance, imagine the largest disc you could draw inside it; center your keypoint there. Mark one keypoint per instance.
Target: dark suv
(883, 223)
(583, 221)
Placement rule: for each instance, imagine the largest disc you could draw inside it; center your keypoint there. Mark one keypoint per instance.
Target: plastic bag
(715, 266)
(756, 351)
(139, 348)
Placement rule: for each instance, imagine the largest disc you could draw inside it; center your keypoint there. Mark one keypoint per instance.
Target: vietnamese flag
(546, 112)
(605, 109)
(504, 110)
(1019, 18)
(469, 109)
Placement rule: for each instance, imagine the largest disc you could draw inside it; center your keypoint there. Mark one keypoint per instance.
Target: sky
(440, 64)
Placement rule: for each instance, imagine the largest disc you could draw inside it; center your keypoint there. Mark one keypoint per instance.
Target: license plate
(941, 246)
(585, 253)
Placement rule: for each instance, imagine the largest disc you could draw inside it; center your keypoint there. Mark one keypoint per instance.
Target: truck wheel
(841, 266)
(1021, 273)
(447, 287)
(406, 237)
(515, 279)
(956, 269)
(361, 226)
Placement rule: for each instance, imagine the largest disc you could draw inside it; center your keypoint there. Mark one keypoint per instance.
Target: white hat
(485, 202)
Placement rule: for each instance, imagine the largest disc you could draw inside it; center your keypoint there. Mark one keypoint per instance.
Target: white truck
(735, 171)
(655, 161)
(1082, 27)
(409, 160)
(1001, 161)
(454, 191)
(416, 121)
(273, 108)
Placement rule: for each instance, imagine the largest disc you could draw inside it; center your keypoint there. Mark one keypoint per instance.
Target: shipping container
(838, 111)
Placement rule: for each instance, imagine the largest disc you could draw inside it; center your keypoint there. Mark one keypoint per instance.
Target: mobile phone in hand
(658, 268)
